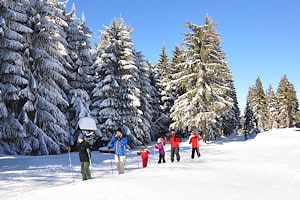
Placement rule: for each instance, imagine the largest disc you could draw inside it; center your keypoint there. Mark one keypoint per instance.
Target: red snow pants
(144, 155)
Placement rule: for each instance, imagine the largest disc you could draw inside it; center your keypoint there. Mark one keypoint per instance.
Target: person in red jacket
(194, 139)
(174, 141)
(144, 154)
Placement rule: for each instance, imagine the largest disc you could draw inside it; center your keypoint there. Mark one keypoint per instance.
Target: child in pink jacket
(160, 146)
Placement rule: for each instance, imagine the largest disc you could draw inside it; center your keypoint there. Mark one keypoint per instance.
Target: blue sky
(260, 37)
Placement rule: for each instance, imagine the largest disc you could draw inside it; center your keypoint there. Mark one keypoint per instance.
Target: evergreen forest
(51, 76)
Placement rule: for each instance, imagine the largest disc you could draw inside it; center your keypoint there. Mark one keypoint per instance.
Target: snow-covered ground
(265, 167)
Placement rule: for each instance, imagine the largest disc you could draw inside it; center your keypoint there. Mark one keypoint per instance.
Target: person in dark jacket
(84, 157)
(174, 141)
(118, 143)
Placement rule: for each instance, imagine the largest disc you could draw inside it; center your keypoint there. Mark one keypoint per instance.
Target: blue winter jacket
(119, 146)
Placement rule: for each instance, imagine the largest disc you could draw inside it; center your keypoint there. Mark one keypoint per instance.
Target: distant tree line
(268, 109)
(50, 77)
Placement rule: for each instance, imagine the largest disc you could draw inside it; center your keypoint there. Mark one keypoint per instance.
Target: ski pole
(150, 156)
(125, 159)
(70, 160)
(91, 168)
(138, 161)
(111, 166)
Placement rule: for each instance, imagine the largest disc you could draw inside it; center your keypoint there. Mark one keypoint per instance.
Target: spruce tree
(259, 105)
(15, 75)
(163, 78)
(158, 125)
(205, 74)
(248, 116)
(50, 61)
(231, 120)
(79, 76)
(250, 120)
(177, 59)
(272, 109)
(287, 103)
(256, 105)
(116, 95)
(146, 98)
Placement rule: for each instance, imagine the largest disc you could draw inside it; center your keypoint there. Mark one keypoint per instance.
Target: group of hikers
(118, 145)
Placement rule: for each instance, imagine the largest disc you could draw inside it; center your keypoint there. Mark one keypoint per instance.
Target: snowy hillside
(266, 167)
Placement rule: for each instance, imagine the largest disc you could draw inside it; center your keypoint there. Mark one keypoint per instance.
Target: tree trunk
(204, 132)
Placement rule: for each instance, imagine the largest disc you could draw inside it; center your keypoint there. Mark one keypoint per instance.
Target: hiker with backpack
(84, 157)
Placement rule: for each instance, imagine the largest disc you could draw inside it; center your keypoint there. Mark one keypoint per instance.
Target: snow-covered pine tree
(146, 96)
(80, 78)
(177, 59)
(259, 108)
(231, 120)
(250, 121)
(287, 103)
(272, 109)
(206, 100)
(257, 104)
(167, 94)
(104, 102)
(78, 35)
(255, 118)
(15, 39)
(3, 108)
(116, 95)
(158, 125)
(179, 89)
(50, 61)
(228, 111)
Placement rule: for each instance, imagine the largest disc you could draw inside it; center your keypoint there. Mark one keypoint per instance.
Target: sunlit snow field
(264, 167)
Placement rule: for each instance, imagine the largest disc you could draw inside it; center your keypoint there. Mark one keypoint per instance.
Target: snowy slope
(266, 167)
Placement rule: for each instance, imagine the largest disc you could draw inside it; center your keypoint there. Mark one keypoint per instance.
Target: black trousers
(197, 151)
(161, 158)
(175, 151)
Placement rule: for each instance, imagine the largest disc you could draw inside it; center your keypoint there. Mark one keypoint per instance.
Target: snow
(87, 123)
(264, 167)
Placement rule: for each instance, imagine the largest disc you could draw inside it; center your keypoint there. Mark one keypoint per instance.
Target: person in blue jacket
(118, 144)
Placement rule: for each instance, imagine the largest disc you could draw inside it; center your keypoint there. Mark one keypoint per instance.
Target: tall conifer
(15, 75)
(116, 95)
(50, 61)
(206, 76)
(287, 103)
